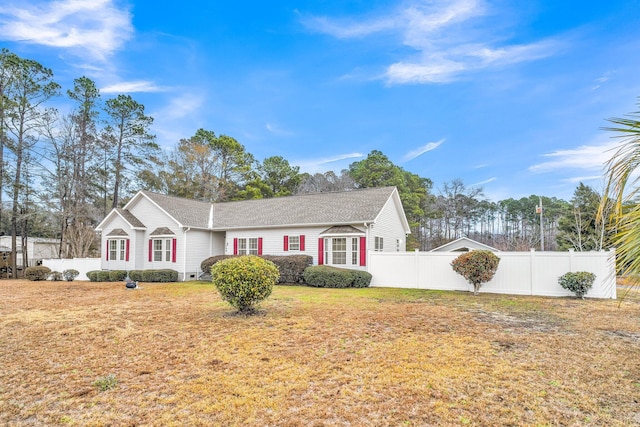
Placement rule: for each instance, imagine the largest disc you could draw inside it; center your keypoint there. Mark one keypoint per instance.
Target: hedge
(165, 275)
(37, 273)
(117, 275)
(291, 267)
(323, 276)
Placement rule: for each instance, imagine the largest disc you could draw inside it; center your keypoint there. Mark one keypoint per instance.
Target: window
(167, 250)
(253, 246)
(113, 250)
(339, 250)
(354, 251)
(379, 244)
(157, 250)
(294, 243)
(248, 246)
(117, 250)
(242, 246)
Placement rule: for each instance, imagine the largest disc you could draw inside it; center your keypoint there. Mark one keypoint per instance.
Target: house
(38, 248)
(463, 244)
(155, 231)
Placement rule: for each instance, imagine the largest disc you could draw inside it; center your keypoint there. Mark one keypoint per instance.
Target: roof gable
(461, 244)
(126, 215)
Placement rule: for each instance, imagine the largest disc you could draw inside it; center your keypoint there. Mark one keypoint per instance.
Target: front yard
(314, 357)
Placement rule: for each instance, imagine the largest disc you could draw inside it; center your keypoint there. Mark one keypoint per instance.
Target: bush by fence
(323, 276)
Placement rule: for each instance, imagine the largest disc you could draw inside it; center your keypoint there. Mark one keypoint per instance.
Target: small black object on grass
(130, 284)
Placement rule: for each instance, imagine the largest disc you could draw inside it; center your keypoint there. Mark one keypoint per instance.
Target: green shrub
(209, 262)
(70, 274)
(165, 275)
(92, 275)
(361, 279)
(117, 275)
(136, 275)
(579, 283)
(477, 267)
(291, 267)
(244, 281)
(324, 276)
(55, 276)
(37, 273)
(103, 276)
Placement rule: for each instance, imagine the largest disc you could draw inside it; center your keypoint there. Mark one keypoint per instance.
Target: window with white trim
(354, 251)
(379, 244)
(248, 246)
(339, 250)
(157, 249)
(117, 249)
(294, 243)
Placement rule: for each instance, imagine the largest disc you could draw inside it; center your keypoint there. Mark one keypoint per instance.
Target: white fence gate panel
(83, 265)
(520, 273)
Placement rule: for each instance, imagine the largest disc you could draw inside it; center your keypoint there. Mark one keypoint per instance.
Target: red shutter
(286, 243)
(259, 245)
(126, 253)
(107, 250)
(320, 251)
(363, 251)
(150, 250)
(174, 247)
(302, 243)
(235, 246)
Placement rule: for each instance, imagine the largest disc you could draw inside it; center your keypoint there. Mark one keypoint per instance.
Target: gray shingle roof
(130, 218)
(117, 232)
(347, 207)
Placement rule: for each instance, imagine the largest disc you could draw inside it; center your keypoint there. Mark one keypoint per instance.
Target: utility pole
(540, 210)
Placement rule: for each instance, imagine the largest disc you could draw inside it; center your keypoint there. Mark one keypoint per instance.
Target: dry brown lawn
(314, 357)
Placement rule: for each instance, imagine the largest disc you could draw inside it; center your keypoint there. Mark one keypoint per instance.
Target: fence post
(532, 276)
(416, 259)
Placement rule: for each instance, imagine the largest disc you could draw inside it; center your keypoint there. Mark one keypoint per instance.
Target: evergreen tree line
(60, 174)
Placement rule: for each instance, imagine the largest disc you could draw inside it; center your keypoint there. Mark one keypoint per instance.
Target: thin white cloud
(577, 179)
(277, 130)
(587, 157)
(133, 87)
(321, 164)
(448, 37)
(421, 150)
(486, 181)
(96, 28)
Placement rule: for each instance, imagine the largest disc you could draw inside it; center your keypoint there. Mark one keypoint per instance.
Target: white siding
(195, 249)
(118, 222)
(389, 226)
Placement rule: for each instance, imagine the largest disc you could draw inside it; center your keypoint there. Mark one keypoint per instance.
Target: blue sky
(505, 94)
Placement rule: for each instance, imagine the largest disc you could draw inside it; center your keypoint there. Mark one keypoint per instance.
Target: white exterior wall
(196, 248)
(273, 240)
(118, 222)
(520, 273)
(83, 265)
(388, 225)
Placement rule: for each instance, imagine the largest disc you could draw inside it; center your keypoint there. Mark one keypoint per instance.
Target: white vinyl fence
(83, 265)
(519, 273)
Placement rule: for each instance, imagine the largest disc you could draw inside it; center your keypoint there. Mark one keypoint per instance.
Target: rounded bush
(579, 282)
(477, 267)
(70, 274)
(324, 276)
(244, 281)
(55, 276)
(37, 273)
(136, 275)
(92, 275)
